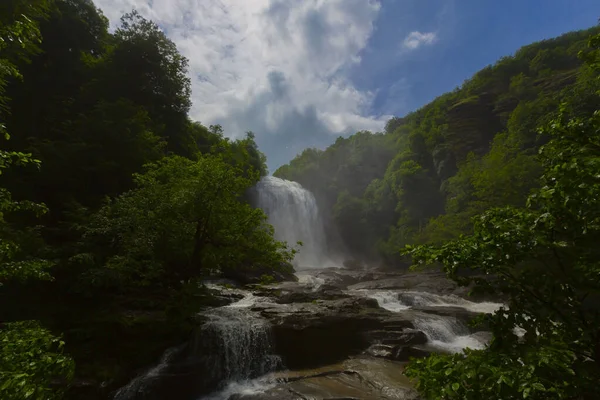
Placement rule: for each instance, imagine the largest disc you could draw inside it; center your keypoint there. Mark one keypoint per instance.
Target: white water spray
(142, 385)
(293, 212)
(448, 334)
(443, 332)
(238, 343)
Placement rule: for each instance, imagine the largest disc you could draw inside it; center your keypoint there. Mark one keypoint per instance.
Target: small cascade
(236, 344)
(443, 332)
(141, 386)
(388, 299)
(310, 281)
(448, 333)
(232, 347)
(435, 300)
(293, 212)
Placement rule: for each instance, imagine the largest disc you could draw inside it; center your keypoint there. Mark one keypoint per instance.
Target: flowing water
(293, 212)
(435, 300)
(234, 349)
(240, 344)
(142, 385)
(235, 346)
(444, 333)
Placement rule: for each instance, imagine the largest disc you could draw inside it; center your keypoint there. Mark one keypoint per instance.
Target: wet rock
(282, 393)
(431, 281)
(399, 321)
(339, 279)
(223, 300)
(357, 378)
(256, 274)
(405, 353)
(406, 337)
(302, 296)
(308, 335)
(380, 350)
(461, 314)
(311, 334)
(448, 311)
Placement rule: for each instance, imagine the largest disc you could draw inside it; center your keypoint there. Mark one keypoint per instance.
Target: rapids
(233, 353)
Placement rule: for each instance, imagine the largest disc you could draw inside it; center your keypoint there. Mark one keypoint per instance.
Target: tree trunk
(196, 259)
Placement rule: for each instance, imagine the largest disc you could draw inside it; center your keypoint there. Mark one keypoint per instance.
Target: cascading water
(443, 332)
(238, 345)
(448, 333)
(231, 347)
(293, 212)
(141, 386)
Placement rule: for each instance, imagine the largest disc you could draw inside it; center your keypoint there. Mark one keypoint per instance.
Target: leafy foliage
(119, 203)
(30, 356)
(468, 150)
(545, 260)
(30, 360)
(185, 217)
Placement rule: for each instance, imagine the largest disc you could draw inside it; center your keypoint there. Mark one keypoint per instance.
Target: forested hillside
(468, 150)
(113, 203)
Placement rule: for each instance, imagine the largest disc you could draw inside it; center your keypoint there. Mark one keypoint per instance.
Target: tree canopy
(429, 172)
(113, 202)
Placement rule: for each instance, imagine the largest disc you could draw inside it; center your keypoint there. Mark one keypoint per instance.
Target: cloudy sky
(299, 73)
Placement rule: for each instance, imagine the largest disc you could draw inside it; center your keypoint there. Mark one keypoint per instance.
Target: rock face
(356, 378)
(317, 322)
(405, 337)
(325, 331)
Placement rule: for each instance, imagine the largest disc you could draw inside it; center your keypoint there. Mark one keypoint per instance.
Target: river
(332, 334)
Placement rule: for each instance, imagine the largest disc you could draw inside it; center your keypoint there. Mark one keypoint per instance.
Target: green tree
(545, 260)
(31, 362)
(183, 219)
(30, 356)
(144, 66)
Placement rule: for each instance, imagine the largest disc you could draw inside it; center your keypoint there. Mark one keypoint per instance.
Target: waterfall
(232, 347)
(237, 344)
(293, 212)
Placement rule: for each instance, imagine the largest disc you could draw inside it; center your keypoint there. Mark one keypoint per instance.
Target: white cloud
(417, 39)
(276, 67)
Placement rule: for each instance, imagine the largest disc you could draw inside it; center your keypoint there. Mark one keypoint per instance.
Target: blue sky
(470, 35)
(300, 73)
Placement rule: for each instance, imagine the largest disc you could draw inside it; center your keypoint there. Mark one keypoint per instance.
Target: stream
(332, 334)
(238, 348)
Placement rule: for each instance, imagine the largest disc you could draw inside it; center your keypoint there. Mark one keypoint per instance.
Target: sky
(300, 73)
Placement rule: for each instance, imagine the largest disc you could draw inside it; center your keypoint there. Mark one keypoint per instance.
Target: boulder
(380, 350)
(308, 335)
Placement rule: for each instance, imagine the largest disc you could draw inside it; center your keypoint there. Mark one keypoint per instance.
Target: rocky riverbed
(333, 334)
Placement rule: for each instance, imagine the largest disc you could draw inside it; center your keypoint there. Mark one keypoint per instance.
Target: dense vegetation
(545, 260)
(113, 203)
(501, 181)
(431, 171)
